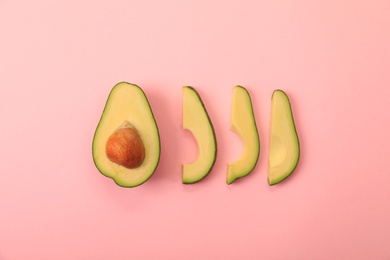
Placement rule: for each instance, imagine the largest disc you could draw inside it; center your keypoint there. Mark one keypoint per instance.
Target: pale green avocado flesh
(284, 144)
(242, 122)
(128, 104)
(197, 121)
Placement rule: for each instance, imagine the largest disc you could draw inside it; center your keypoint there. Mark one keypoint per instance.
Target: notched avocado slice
(243, 123)
(197, 121)
(126, 144)
(284, 144)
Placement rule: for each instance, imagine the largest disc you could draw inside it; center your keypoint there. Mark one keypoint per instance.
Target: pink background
(60, 59)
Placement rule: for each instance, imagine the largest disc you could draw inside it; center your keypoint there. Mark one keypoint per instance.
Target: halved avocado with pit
(126, 144)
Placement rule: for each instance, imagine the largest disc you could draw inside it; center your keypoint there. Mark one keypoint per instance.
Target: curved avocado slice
(126, 144)
(242, 122)
(197, 120)
(284, 144)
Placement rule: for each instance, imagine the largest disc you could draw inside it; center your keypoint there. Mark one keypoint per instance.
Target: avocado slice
(126, 144)
(242, 122)
(284, 144)
(197, 121)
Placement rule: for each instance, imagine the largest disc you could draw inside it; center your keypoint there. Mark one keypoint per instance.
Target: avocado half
(243, 123)
(127, 131)
(284, 149)
(197, 121)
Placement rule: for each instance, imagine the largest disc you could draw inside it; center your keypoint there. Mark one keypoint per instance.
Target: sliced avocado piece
(284, 144)
(197, 121)
(242, 122)
(126, 144)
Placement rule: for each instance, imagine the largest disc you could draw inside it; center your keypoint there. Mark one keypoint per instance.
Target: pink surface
(60, 59)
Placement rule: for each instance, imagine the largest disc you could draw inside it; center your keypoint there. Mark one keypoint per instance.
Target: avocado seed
(125, 146)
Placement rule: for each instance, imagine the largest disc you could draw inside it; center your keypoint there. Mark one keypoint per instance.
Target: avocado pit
(125, 146)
